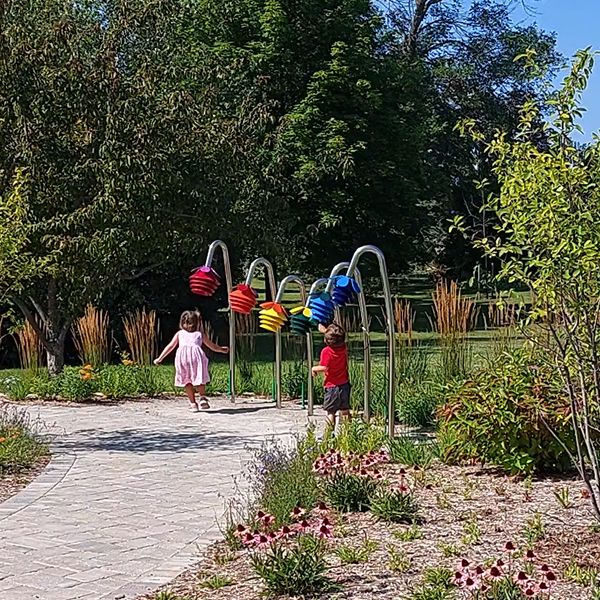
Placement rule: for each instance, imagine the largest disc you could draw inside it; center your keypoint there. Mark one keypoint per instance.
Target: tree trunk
(55, 356)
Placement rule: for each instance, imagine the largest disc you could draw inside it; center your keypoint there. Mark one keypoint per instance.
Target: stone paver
(131, 497)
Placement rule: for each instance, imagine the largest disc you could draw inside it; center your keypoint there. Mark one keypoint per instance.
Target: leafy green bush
(500, 415)
(20, 447)
(348, 492)
(298, 569)
(395, 506)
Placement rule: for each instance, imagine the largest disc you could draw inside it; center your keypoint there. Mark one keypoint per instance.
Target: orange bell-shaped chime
(242, 299)
(272, 317)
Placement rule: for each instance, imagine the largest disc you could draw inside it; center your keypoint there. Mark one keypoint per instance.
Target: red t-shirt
(336, 362)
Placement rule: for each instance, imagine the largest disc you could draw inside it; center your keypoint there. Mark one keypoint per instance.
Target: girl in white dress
(191, 362)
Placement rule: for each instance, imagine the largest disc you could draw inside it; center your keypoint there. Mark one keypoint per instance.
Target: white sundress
(191, 363)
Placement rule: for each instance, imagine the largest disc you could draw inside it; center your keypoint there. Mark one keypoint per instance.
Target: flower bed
(465, 532)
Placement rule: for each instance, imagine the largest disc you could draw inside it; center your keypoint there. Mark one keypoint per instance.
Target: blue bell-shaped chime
(300, 321)
(344, 290)
(322, 308)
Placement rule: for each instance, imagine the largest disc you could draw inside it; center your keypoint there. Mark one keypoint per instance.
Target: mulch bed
(13, 483)
(467, 512)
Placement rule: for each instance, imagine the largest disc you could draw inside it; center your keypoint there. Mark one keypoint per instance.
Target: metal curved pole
(309, 341)
(364, 317)
(391, 335)
(270, 277)
(220, 245)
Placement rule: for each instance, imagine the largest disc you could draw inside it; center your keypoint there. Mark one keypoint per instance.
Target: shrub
(395, 505)
(348, 492)
(417, 403)
(20, 447)
(298, 569)
(501, 416)
(281, 477)
(405, 450)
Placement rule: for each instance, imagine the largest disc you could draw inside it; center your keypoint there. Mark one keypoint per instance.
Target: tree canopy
(134, 131)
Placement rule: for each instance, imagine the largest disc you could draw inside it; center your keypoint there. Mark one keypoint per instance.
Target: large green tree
(109, 164)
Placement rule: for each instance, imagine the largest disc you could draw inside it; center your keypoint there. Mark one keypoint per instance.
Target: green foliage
(216, 582)
(440, 577)
(351, 555)
(410, 534)
(20, 446)
(545, 236)
(394, 506)
(405, 450)
(358, 437)
(398, 562)
(299, 569)
(417, 404)
(282, 478)
(502, 415)
(348, 492)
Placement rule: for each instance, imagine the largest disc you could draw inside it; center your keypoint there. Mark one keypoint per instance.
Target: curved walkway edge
(131, 497)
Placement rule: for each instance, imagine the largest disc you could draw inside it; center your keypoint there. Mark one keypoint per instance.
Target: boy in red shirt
(334, 364)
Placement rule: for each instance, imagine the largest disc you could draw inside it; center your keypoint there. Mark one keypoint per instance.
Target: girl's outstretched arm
(170, 347)
(214, 347)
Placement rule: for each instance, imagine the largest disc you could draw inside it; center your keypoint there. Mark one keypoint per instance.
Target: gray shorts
(337, 398)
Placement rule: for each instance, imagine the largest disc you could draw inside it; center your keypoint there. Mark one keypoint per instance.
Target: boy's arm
(170, 347)
(323, 363)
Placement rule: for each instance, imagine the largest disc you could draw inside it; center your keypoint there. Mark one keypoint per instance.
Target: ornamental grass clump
(509, 578)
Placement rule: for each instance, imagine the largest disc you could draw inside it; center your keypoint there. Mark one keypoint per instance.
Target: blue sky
(577, 25)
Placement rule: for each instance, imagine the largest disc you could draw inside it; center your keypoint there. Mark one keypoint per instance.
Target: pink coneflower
(458, 577)
(530, 592)
(322, 508)
(509, 547)
(402, 472)
(260, 515)
(303, 525)
(550, 576)
(284, 533)
(297, 512)
(530, 555)
(464, 563)
(268, 520)
(499, 563)
(248, 539)
(543, 586)
(495, 573)
(470, 583)
(522, 577)
(479, 570)
(544, 568)
(240, 530)
(262, 541)
(325, 531)
(484, 588)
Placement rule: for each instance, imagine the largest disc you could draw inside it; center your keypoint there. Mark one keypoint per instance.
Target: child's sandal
(204, 405)
(194, 407)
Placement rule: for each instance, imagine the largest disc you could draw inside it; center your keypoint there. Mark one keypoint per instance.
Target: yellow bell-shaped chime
(272, 316)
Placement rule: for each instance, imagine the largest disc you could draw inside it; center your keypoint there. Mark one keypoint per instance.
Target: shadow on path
(152, 440)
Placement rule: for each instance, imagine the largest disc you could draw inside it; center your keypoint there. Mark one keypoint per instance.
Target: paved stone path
(130, 498)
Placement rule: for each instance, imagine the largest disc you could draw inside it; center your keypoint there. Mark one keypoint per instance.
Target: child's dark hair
(190, 320)
(335, 335)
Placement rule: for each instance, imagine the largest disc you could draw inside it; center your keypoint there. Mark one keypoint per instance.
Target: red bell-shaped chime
(242, 299)
(204, 281)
